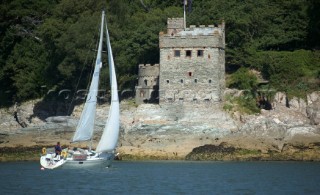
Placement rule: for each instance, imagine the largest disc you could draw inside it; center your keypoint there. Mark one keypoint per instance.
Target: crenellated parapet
(194, 36)
(149, 70)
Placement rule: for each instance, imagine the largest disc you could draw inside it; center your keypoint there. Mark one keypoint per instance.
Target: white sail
(85, 126)
(110, 135)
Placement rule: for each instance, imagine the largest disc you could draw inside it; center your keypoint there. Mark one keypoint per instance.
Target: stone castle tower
(147, 89)
(192, 64)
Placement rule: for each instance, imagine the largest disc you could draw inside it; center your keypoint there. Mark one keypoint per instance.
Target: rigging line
(82, 70)
(104, 84)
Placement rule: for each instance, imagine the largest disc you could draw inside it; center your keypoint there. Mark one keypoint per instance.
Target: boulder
(313, 112)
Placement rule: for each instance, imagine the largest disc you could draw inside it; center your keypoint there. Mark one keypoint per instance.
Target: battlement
(193, 36)
(176, 23)
(189, 40)
(148, 65)
(211, 26)
(149, 70)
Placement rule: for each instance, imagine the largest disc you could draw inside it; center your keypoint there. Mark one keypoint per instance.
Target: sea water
(164, 177)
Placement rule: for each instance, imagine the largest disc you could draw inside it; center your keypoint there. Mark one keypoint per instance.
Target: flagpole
(184, 14)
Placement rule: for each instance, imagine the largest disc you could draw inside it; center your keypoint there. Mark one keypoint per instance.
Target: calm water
(163, 177)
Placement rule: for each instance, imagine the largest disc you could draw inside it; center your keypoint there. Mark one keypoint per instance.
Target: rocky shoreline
(290, 152)
(221, 152)
(186, 132)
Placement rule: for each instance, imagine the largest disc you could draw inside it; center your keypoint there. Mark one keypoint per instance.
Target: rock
(263, 127)
(58, 119)
(302, 130)
(314, 96)
(313, 112)
(173, 131)
(298, 104)
(280, 98)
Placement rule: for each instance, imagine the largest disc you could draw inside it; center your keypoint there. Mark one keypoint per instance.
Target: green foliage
(227, 107)
(28, 72)
(292, 72)
(245, 103)
(242, 79)
(51, 43)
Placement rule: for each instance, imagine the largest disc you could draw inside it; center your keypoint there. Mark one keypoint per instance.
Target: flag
(189, 3)
(189, 7)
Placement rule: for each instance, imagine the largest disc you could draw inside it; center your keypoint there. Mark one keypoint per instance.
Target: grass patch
(245, 104)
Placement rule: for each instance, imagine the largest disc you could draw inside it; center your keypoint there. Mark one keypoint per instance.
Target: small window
(210, 81)
(195, 80)
(168, 81)
(176, 53)
(146, 82)
(181, 81)
(188, 53)
(209, 56)
(200, 53)
(190, 74)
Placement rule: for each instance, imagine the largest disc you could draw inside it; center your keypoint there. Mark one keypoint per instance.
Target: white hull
(99, 160)
(49, 161)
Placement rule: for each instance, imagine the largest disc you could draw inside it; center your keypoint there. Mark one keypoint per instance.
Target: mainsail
(85, 126)
(109, 138)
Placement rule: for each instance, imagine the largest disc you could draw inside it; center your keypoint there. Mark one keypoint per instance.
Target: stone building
(147, 90)
(192, 64)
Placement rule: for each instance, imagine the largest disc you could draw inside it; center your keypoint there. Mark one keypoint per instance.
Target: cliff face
(172, 132)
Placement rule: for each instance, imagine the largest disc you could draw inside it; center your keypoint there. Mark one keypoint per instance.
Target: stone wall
(211, 40)
(174, 25)
(192, 65)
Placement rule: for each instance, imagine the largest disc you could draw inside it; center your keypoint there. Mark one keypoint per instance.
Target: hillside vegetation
(47, 44)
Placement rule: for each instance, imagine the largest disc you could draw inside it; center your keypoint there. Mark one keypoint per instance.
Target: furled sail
(85, 126)
(110, 134)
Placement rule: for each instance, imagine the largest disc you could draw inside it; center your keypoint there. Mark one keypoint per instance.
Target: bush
(243, 79)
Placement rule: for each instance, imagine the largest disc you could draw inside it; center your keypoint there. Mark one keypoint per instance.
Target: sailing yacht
(104, 153)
